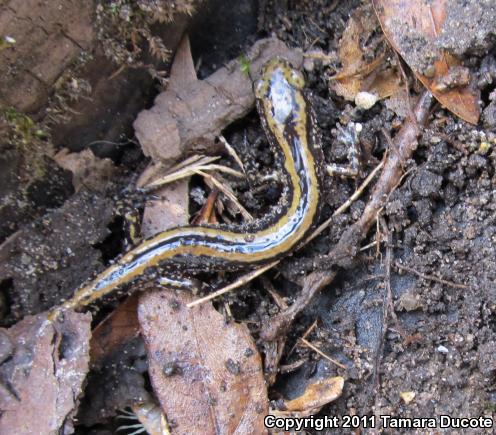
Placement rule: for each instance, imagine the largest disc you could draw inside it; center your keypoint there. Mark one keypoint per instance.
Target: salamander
(289, 124)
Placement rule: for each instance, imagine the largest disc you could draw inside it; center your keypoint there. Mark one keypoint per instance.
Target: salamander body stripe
(288, 122)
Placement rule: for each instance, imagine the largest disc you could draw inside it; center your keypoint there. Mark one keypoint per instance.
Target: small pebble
(365, 100)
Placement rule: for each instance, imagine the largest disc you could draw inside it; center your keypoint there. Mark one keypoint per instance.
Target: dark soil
(441, 221)
(443, 224)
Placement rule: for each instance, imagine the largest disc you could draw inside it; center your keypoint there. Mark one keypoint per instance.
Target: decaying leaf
(194, 115)
(118, 360)
(359, 74)
(170, 208)
(42, 380)
(87, 169)
(119, 327)
(412, 29)
(317, 395)
(206, 373)
(115, 347)
(346, 83)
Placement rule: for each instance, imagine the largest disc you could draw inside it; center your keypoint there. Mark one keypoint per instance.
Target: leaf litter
(412, 29)
(454, 77)
(238, 383)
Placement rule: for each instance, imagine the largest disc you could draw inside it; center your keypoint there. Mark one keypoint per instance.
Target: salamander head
(278, 94)
(278, 70)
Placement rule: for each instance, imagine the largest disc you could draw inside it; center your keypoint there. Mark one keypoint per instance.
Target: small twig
(407, 89)
(348, 246)
(194, 159)
(232, 152)
(322, 354)
(188, 172)
(309, 330)
(117, 72)
(288, 368)
(242, 280)
(221, 168)
(305, 335)
(370, 245)
(226, 191)
(179, 171)
(207, 212)
(281, 322)
(387, 304)
(280, 302)
(431, 277)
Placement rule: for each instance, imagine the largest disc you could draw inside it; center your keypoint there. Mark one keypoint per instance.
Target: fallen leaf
(358, 74)
(169, 209)
(194, 115)
(317, 394)
(206, 373)
(399, 103)
(386, 84)
(118, 361)
(42, 380)
(119, 327)
(412, 29)
(87, 169)
(346, 83)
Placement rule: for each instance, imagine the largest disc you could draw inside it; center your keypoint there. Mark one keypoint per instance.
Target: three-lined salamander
(286, 117)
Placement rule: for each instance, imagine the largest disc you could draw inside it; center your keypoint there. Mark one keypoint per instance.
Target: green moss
(29, 138)
(244, 64)
(24, 128)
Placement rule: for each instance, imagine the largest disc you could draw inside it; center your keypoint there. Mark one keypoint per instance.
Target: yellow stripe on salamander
(286, 118)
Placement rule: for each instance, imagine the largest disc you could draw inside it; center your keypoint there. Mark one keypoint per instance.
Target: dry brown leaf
(42, 380)
(358, 75)
(120, 326)
(117, 362)
(399, 103)
(317, 395)
(385, 84)
(206, 373)
(192, 116)
(87, 169)
(346, 83)
(169, 209)
(412, 29)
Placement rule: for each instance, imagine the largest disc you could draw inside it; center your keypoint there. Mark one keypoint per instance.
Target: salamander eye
(296, 79)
